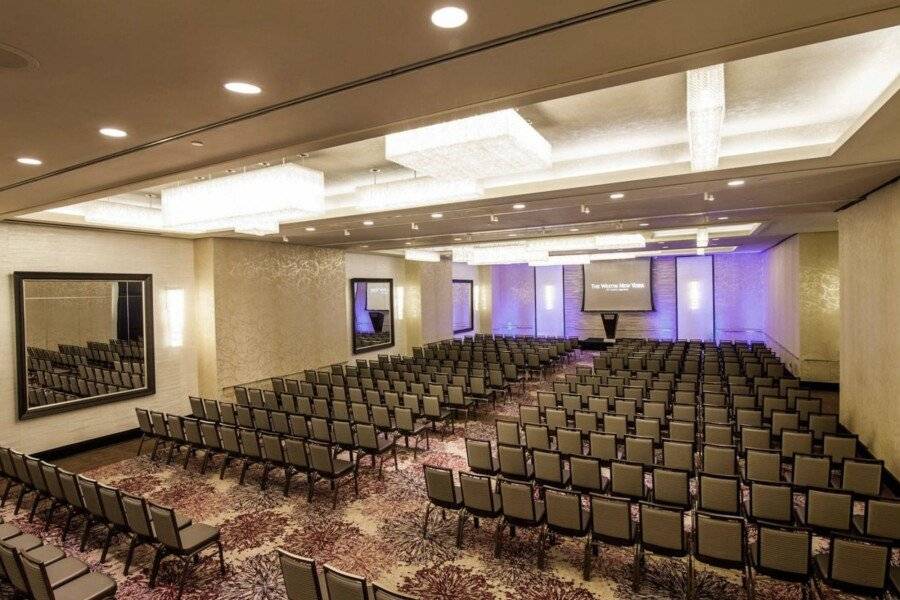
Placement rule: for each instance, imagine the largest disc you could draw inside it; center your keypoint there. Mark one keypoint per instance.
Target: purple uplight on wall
(363, 320)
(512, 299)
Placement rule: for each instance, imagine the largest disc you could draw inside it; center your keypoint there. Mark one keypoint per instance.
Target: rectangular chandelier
(506, 254)
(418, 191)
(562, 260)
(252, 200)
(619, 241)
(705, 114)
(422, 256)
(488, 145)
(110, 212)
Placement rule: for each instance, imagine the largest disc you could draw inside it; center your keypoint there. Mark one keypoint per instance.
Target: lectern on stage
(610, 320)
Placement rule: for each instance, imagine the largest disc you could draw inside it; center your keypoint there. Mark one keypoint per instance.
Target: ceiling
(804, 127)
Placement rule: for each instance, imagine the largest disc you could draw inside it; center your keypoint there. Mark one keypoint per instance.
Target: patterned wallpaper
(739, 315)
(820, 302)
(870, 321)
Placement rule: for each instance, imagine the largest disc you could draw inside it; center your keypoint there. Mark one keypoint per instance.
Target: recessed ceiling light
(113, 132)
(573, 229)
(310, 228)
(644, 225)
(26, 160)
(197, 143)
(457, 239)
(241, 87)
(518, 206)
(736, 183)
(723, 218)
(616, 196)
(367, 223)
(408, 243)
(364, 246)
(510, 235)
(437, 215)
(449, 17)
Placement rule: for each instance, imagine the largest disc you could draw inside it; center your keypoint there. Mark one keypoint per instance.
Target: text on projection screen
(614, 285)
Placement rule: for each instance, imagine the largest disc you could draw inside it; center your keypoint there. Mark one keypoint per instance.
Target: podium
(610, 320)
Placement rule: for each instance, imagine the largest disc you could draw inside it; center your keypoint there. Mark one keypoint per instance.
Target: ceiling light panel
(110, 212)
(422, 256)
(488, 145)
(419, 191)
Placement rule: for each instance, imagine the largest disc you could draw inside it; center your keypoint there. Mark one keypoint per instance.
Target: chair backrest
(380, 593)
(626, 479)
(829, 509)
(112, 505)
(862, 476)
(755, 438)
(784, 550)
(719, 493)
(165, 526)
(301, 580)
(678, 455)
(343, 586)
(611, 517)
(479, 454)
(439, 485)
(771, 501)
(603, 445)
(137, 516)
(9, 558)
(882, 518)
(477, 493)
(647, 427)
(822, 424)
(143, 418)
(719, 460)
(518, 500)
(795, 441)
(762, 465)
(36, 574)
(90, 495)
(586, 473)
(662, 528)
(720, 538)
(811, 470)
(512, 460)
(250, 443)
(639, 449)
(569, 441)
(715, 433)
(683, 431)
(564, 510)
(320, 457)
(548, 466)
(537, 436)
(295, 452)
(671, 486)
(859, 562)
(838, 447)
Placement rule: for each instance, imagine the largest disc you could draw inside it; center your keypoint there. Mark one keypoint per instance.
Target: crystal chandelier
(124, 214)
(422, 256)
(415, 192)
(705, 113)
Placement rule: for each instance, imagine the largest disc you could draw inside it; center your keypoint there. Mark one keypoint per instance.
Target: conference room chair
(435, 413)
(324, 464)
(806, 407)
(671, 487)
(881, 519)
(762, 465)
(611, 524)
(784, 419)
(625, 408)
(569, 442)
(140, 526)
(771, 404)
(566, 517)
(640, 450)
(827, 510)
(210, 411)
(811, 470)
(755, 438)
(682, 430)
(838, 447)
(301, 579)
(822, 424)
(615, 424)
(604, 446)
(114, 514)
(197, 410)
(717, 433)
(556, 418)
(626, 479)
(85, 586)
(39, 484)
(769, 501)
(720, 540)
(521, 510)
(751, 417)
(442, 492)
(408, 426)
(678, 455)
(370, 443)
(793, 442)
(586, 474)
(782, 553)
(716, 414)
(227, 413)
(549, 468)
(648, 427)
(514, 463)
(480, 456)
(480, 501)
(380, 593)
(862, 477)
(855, 564)
(662, 533)
(719, 459)
(741, 401)
(508, 432)
(344, 586)
(537, 437)
(719, 493)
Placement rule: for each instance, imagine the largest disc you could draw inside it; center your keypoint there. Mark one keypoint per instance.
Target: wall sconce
(175, 317)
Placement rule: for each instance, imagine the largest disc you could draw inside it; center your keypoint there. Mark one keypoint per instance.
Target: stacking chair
(720, 540)
(715, 433)
(586, 474)
(862, 477)
(549, 469)
(718, 493)
(662, 532)
(409, 426)
(616, 424)
(719, 460)
(827, 510)
(251, 452)
(565, 516)
(881, 519)
(678, 455)
(769, 501)
(184, 543)
(42, 491)
(57, 494)
(762, 465)
(626, 479)
(370, 443)
(273, 458)
(442, 493)
(210, 411)
(682, 431)
(514, 463)
(434, 413)
(324, 465)
(90, 495)
(160, 432)
(671, 487)
(508, 432)
(343, 586)
(458, 402)
(838, 447)
(537, 437)
(296, 461)
(146, 427)
(855, 564)
(780, 552)
(111, 502)
(603, 446)
(520, 510)
(479, 499)
(301, 581)
(611, 523)
(26, 486)
(639, 450)
(85, 586)
(794, 442)
(480, 456)
(821, 425)
(811, 470)
(569, 441)
(755, 438)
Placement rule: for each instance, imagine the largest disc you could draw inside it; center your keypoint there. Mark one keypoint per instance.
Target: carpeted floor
(378, 535)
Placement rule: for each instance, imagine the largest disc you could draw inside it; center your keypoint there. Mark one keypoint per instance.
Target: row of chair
(301, 581)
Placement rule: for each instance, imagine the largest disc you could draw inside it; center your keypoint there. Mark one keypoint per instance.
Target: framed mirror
(463, 305)
(372, 314)
(82, 339)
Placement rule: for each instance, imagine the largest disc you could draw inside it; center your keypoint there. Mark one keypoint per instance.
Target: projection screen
(617, 285)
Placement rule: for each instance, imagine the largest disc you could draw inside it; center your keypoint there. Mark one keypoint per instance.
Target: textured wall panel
(436, 290)
(820, 301)
(870, 321)
(512, 299)
(740, 309)
(41, 248)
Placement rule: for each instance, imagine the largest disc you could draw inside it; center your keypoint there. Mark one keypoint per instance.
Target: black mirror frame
(471, 306)
(19, 279)
(353, 282)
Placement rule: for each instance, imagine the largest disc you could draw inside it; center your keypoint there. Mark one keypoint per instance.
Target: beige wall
(781, 321)
(378, 267)
(41, 248)
(428, 302)
(870, 322)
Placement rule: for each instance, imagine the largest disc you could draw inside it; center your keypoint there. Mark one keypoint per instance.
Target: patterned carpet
(378, 536)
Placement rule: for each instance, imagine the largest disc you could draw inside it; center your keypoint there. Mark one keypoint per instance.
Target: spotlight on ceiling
(437, 215)
(723, 218)
(368, 223)
(736, 183)
(310, 228)
(113, 132)
(644, 225)
(449, 17)
(242, 87)
(573, 229)
(27, 160)
(518, 206)
(616, 196)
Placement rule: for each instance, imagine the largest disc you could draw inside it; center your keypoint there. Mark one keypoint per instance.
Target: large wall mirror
(372, 314)
(82, 339)
(463, 305)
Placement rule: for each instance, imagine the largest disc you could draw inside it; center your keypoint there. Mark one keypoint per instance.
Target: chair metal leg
(587, 559)
(460, 525)
(48, 517)
(106, 544)
(69, 517)
(540, 556)
(396, 464)
(244, 472)
(187, 457)
(225, 462)
(203, 465)
(171, 453)
(84, 535)
(141, 444)
(22, 493)
(498, 535)
(182, 579)
(288, 473)
(131, 548)
(221, 557)
(265, 476)
(155, 448)
(34, 505)
(334, 492)
(425, 525)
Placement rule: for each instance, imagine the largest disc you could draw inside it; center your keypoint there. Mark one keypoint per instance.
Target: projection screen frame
(626, 310)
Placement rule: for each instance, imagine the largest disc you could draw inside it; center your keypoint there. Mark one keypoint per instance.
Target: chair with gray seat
(762, 465)
(185, 543)
(514, 463)
(719, 493)
(87, 586)
(301, 579)
(480, 501)
(862, 476)
(671, 487)
(719, 460)
(662, 533)
(855, 564)
(565, 516)
(769, 501)
(780, 552)
(586, 474)
(827, 510)
(520, 510)
(881, 519)
(549, 468)
(442, 493)
(370, 443)
(811, 470)
(720, 540)
(324, 464)
(626, 479)
(611, 523)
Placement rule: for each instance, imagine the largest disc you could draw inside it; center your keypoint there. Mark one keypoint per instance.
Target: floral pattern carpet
(378, 535)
